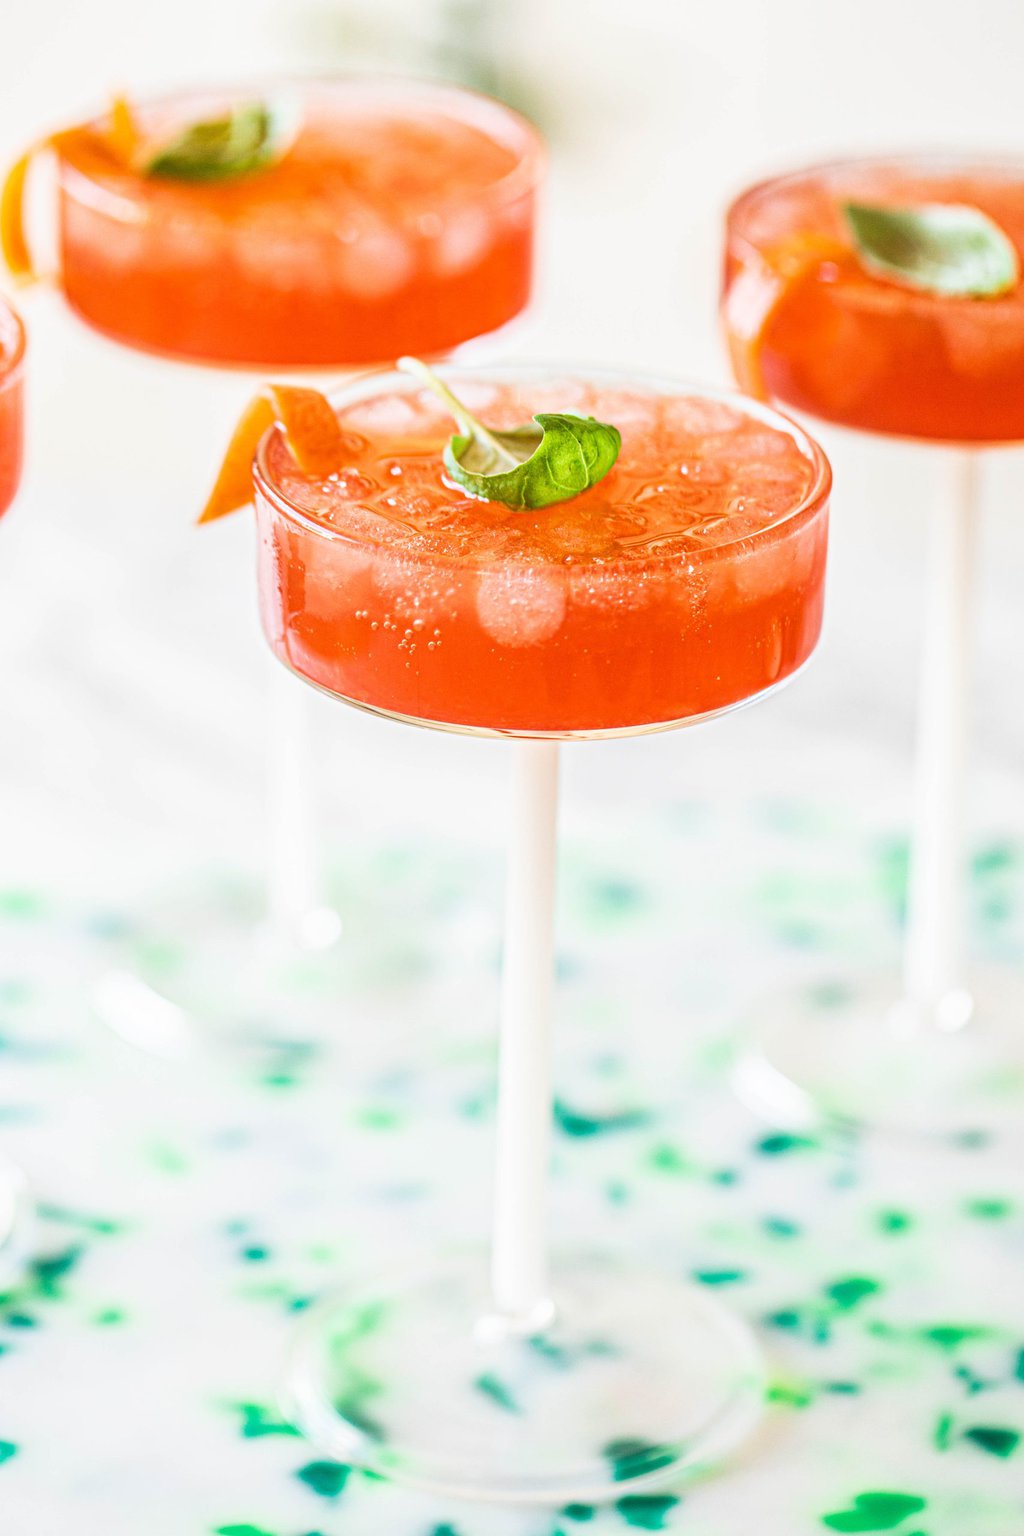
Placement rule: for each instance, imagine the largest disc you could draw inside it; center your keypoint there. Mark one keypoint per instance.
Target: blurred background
(132, 681)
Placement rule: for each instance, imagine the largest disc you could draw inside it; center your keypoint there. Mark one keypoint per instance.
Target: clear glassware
(401, 217)
(641, 606)
(15, 1202)
(937, 1050)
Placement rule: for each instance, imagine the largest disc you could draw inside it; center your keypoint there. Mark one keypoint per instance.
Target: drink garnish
(123, 133)
(948, 249)
(757, 292)
(250, 137)
(551, 459)
(13, 240)
(311, 430)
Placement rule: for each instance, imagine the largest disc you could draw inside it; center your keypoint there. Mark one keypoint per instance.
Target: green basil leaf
(948, 249)
(248, 138)
(552, 458)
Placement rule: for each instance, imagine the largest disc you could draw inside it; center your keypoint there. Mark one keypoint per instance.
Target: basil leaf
(552, 458)
(248, 138)
(944, 248)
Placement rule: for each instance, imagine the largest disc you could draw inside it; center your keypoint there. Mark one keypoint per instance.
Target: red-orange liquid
(852, 347)
(11, 405)
(400, 219)
(689, 579)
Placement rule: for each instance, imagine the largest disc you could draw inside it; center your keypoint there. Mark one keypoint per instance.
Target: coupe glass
(938, 1050)
(399, 218)
(15, 1205)
(686, 584)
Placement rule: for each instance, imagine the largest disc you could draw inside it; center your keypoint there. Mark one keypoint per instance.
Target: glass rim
(922, 159)
(12, 355)
(814, 500)
(527, 140)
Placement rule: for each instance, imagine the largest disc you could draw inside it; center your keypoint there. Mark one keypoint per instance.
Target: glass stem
(519, 1259)
(935, 963)
(292, 875)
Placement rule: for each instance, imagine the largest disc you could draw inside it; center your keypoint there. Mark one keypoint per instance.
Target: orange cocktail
(398, 216)
(689, 579)
(809, 325)
(12, 349)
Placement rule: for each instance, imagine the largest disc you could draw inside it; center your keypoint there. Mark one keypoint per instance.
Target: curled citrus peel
(13, 243)
(310, 427)
(123, 133)
(757, 293)
(116, 149)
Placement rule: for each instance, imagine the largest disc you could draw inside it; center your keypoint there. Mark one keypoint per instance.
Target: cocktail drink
(15, 1205)
(884, 295)
(302, 224)
(683, 583)
(391, 217)
(12, 350)
(674, 572)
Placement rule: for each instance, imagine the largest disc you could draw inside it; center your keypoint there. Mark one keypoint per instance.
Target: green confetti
(7, 1450)
(166, 1159)
(255, 1253)
(719, 1276)
(780, 1226)
(104, 1226)
(49, 1270)
(325, 1478)
(942, 1434)
(647, 1511)
(1018, 1369)
(949, 1336)
(579, 1512)
(493, 1387)
(994, 1439)
(790, 1394)
(242, 1530)
(989, 1210)
(109, 1317)
(377, 1118)
(573, 1123)
(848, 1293)
(875, 1512)
(894, 1222)
(259, 1421)
(635, 1458)
(781, 1142)
(665, 1158)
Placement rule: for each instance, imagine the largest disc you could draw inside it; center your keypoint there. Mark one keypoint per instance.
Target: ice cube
(378, 262)
(521, 604)
(463, 241)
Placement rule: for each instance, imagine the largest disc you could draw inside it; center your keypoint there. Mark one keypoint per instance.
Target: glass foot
(851, 1053)
(16, 1213)
(636, 1379)
(206, 972)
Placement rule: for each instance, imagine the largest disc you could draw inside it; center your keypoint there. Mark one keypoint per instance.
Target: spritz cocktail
(910, 338)
(396, 216)
(15, 1205)
(685, 582)
(384, 216)
(12, 350)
